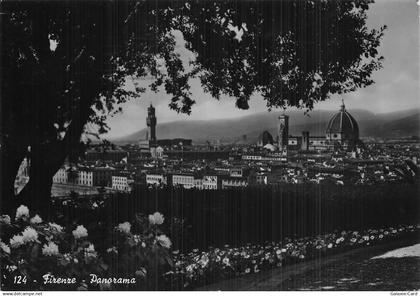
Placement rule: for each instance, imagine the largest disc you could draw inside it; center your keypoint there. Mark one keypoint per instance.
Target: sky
(396, 84)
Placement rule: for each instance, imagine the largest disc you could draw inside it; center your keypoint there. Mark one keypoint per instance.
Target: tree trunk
(37, 193)
(46, 159)
(9, 163)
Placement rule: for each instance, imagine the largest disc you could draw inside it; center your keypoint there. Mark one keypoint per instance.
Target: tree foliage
(66, 64)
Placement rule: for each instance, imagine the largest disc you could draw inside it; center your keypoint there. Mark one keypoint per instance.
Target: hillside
(395, 124)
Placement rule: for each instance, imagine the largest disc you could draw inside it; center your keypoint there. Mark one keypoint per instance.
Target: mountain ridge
(397, 123)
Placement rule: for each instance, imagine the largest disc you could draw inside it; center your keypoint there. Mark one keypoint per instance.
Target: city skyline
(395, 88)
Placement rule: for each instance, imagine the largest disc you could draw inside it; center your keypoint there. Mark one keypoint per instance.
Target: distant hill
(394, 124)
(401, 127)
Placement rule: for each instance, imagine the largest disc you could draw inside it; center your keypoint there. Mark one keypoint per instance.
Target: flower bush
(140, 249)
(80, 232)
(37, 255)
(41, 252)
(200, 268)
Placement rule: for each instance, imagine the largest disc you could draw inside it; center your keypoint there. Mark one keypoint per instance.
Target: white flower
(157, 218)
(80, 232)
(189, 268)
(4, 247)
(22, 212)
(56, 227)
(11, 268)
(329, 246)
(90, 248)
(204, 260)
(113, 249)
(29, 235)
(225, 261)
(16, 241)
(67, 256)
(248, 270)
(164, 241)
(50, 250)
(5, 219)
(90, 251)
(124, 227)
(36, 219)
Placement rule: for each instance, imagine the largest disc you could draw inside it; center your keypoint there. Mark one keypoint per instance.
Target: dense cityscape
(339, 157)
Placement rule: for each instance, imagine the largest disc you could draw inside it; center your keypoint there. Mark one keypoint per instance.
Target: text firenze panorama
(94, 279)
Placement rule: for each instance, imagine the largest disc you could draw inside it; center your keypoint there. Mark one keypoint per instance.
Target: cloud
(396, 85)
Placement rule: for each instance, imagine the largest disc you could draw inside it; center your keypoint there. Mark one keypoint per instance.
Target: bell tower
(283, 133)
(151, 124)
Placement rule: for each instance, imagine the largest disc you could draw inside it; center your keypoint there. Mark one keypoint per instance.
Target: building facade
(61, 176)
(184, 180)
(234, 182)
(121, 183)
(211, 182)
(156, 179)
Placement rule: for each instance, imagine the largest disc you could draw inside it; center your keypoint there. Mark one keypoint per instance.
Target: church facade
(342, 132)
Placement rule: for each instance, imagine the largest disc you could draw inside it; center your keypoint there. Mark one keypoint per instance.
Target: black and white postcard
(209, 145)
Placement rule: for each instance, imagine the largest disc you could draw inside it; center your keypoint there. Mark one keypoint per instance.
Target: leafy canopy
(68, 62)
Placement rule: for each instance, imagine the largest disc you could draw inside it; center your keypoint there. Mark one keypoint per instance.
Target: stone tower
(283, 133)
(305, 141)
(151, 124)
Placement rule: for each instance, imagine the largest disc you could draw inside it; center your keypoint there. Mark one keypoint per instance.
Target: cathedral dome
(342, 126)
